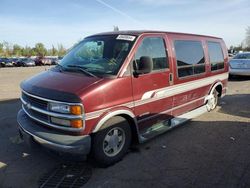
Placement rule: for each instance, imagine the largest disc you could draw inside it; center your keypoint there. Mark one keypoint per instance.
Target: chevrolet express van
(116, 88)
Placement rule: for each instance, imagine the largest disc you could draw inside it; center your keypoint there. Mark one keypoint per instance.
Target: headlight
(66, 109)
(62, 108)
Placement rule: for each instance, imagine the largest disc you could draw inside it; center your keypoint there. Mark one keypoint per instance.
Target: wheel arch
(218, 87)
(126, 114)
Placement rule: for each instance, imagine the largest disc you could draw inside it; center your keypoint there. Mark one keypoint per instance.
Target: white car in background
(239, 65)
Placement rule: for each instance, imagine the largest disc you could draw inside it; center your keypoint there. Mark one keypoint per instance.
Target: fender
(212, 90)
(215, 85)
(115, 113)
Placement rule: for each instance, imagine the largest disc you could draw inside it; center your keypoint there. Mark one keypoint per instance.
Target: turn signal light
(76, 110)
(76, 123)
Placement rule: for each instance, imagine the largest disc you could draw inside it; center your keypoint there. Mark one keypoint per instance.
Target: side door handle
(171, 80)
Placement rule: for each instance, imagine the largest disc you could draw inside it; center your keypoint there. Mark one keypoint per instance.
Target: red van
(116, 88)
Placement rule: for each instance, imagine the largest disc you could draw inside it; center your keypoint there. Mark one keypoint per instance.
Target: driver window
(153, 47)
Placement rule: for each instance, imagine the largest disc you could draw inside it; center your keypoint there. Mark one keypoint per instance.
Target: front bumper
(239, 72)
(31, 132)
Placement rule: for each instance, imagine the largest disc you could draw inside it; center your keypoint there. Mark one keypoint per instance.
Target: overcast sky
(27, 22)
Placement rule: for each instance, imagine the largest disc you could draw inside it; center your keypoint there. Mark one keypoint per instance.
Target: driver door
(152, 105)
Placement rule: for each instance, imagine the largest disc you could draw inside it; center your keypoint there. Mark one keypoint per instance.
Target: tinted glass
(189, 57)
(242, 56)
(153, 47)
(100, 55)
(215, 56)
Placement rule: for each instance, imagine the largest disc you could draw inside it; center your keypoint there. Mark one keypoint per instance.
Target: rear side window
(189, 57)
(153, 47)
(215, 56)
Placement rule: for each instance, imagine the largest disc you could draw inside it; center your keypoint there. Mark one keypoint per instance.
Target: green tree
(7, 49)
(1, 49)
(40, 49)
(61, 50)
(239, 47)
(27, 51)
(17, 50)
(54, 51)
(247, 39)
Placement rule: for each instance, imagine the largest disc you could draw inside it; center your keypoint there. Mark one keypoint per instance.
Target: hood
(61, 86)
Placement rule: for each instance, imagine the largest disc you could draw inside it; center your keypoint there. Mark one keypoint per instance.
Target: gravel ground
(210, 151)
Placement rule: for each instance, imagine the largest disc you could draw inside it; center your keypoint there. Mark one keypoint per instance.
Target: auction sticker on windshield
(126, 37)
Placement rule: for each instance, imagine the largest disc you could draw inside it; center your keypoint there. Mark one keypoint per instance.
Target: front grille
(37, 109)
(35, 101)
(36, 114)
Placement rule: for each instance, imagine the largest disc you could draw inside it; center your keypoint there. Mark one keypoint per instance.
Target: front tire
(110, 144)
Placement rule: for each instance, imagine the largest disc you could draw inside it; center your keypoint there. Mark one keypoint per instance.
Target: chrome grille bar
(31, 108)
(64, 116)
(49, 124)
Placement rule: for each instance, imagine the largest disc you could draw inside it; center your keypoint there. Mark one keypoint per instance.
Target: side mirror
(144, 66)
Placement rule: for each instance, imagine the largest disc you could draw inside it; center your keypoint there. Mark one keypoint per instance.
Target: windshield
(99, 55)
(242, 56)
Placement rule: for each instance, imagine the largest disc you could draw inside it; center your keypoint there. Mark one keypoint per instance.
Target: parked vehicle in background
(116, 88)
(9, 63)
(25, 62)
(13, 60)
(47, 61)
(6, 62)
(2, 62)
(239, 65)
(38, 61)
(59, 59)
(54, 60)
(44, 61)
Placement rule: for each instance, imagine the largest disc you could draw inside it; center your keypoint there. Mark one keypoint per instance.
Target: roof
(139, 32)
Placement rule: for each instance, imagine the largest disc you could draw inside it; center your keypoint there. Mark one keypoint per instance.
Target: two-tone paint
(143, 100)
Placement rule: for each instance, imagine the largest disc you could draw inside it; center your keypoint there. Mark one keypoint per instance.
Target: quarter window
(153, 47)
(215, 56)
(189, 57)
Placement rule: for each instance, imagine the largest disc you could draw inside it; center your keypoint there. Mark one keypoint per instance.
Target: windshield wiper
(82, 69)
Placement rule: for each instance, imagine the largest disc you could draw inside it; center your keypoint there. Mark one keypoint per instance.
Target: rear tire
(110, 144)
(213, 101)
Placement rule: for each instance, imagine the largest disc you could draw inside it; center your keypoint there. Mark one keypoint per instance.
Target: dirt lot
(210, 151)
(10, 78)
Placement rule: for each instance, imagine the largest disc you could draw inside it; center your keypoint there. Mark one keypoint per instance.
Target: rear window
(242, 56)
(215, 56)
(189, 57)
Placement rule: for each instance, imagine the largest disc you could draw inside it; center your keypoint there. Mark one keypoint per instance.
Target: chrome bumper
(31, 132)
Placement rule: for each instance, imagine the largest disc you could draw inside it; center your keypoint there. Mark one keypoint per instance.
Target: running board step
(156, 129)
(187, 116)
(164, 126)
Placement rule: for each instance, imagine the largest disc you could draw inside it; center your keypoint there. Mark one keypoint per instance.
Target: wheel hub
(114, 142)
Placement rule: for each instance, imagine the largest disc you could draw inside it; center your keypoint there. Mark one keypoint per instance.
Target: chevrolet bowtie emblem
(28, 105)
